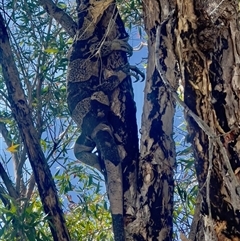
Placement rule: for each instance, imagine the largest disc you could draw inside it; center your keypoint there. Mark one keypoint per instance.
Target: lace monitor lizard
(88, 89)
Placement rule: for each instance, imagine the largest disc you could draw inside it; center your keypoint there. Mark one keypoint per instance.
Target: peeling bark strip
(22, 115)
(207, 48)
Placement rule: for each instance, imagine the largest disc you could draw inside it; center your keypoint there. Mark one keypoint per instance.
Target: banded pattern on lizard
(88, 88)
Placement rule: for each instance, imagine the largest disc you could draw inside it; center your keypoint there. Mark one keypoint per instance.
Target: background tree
(180, 39)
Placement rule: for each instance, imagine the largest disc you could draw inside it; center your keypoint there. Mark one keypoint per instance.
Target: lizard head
(97, 8)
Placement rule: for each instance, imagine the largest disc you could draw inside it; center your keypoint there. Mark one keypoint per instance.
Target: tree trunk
(22, 114)
(123, 117)
(157, 152)
(207, 47)
(204, 37)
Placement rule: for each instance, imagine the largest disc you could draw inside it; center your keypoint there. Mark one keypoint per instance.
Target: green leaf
(51, 51)
(62, 5)
(43, 144)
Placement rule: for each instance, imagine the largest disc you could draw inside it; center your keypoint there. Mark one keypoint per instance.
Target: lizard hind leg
(83, 152)
(104, 140)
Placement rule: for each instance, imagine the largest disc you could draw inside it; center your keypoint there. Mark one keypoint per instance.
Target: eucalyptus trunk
(154, 215)
(208, 52)
(203, 38)
(199, 40)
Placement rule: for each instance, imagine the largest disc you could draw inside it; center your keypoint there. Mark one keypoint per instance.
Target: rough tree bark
(154, 218)
(203, 37)
(207, 48)
(199, 40)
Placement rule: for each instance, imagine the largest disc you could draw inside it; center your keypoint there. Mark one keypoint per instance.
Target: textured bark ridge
(207, 48)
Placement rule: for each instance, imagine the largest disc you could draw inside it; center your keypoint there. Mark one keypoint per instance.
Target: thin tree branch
(60, 16)
(209, 232)
(8, 183)
(16, 162)
(20, 186)
(140, 46)
(4, 199)
(59, 140)
(31, 186)
(6, 136)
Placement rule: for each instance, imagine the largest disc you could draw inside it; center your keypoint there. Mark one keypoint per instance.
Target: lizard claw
(133, 71)
(136, 72)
